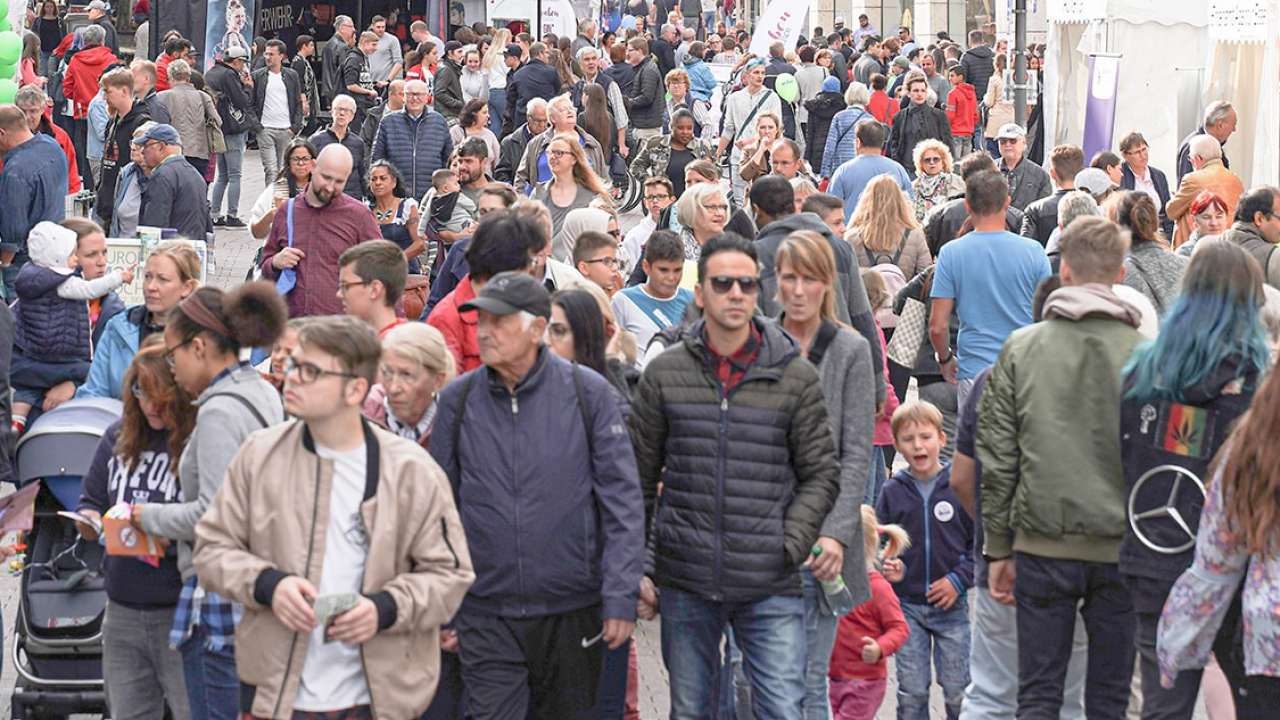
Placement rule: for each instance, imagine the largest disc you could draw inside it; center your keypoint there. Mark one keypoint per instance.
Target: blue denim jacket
(33, 187)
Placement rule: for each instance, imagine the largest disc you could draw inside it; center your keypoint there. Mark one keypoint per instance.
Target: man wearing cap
(447, 87)
(335, 50)
(898, 69)
(534, 79)
(1028, 181)
(98, 10)
(645, 103)
(235, 108)
(740, 113)
(542, 468)
(174, 195)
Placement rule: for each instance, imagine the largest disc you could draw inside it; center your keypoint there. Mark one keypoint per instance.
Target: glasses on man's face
(722, 284)
(169, 357)
(342, 111)
(343, 287)
(415, 94)
(1136, 151)
(657, 198)
(310, 372)
(609, 262)
(390, 377)
(558, 330)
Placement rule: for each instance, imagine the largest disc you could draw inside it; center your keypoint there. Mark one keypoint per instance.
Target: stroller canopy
(62, 441)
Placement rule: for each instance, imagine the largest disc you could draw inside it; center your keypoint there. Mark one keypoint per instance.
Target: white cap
(1011, 131)
(50, 245)
(1094, 181)
(99, 5)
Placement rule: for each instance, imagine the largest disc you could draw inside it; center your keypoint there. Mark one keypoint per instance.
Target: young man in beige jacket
(343, 544)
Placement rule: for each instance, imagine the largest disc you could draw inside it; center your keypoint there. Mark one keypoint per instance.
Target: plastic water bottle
(838, 598)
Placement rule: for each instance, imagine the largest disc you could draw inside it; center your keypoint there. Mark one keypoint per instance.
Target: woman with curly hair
(936, 181)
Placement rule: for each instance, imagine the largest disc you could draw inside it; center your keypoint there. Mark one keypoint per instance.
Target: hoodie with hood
(701, 82)
(962, 110)
(979, 65)
(80, 81)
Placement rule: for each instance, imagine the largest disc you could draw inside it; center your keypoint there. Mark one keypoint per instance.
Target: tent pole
(1020, 62)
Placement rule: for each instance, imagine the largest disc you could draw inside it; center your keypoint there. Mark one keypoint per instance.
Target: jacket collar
(776, 348)
(372, 462)
(530, 380)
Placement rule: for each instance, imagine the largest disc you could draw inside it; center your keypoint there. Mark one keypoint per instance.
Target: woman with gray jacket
(192, 113)
(806, 271)
(203, 339)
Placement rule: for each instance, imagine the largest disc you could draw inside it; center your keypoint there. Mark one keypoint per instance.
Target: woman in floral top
(1237, 549)
(936, 182)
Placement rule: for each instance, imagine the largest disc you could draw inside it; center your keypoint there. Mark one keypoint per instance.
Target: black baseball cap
(509, 293)
(514, 50)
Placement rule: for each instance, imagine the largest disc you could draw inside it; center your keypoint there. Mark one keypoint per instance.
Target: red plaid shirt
(731, 369)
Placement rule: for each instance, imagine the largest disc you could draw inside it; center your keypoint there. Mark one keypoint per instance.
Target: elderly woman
(416, 364)
(474, 122)
(935, 182)
(1209, 218)
(573, 184)
(839, 146)
(192, 113)
(702, 211)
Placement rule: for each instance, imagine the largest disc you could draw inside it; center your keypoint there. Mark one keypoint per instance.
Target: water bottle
(839, 600)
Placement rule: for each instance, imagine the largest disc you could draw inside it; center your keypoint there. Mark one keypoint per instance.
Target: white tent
(1172, 64)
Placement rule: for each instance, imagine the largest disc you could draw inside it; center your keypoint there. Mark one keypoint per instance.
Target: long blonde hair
(897, 539)
(882, 215)
(501, 38)
(808, 253)
(583, 175)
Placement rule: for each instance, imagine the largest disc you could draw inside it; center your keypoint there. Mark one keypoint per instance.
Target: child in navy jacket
(939, 564)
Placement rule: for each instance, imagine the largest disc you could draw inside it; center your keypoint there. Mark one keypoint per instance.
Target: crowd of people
(465, 423)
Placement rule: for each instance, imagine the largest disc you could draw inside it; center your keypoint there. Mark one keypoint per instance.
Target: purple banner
(1100, 108)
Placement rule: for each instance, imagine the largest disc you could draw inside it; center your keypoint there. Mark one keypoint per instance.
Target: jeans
(212, 684)
(140, 672)
(497, 106)
(819, 638)
(80, 141)
(993, 148)
(993, 664)
(10, 274)
(964, 386)
(770, 632)
(272, 144)
(879, 475)
(1176, 703)
(961, 145)
(942, 635)
(228, 181)
(943, 396)
(1047, 591)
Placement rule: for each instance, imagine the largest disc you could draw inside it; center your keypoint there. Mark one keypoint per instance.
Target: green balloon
(10, 47)
(8, 90)
(8, 71)
(4, 23)
(787, 87)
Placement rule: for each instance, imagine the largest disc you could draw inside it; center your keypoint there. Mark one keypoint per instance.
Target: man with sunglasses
(731, 420)
(342, 542)
(542, 466)
(175, 193)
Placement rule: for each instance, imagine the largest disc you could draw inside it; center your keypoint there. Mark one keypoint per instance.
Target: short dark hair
(976, 162)
(351, 341)
(1103, 159)
(1130, 141)
(662, 180)
(878, 82)
(821, 204)
(473, 147)
(1258, 200)
(726, 242)
(805, 54)
(500, 244)
(588, 243)
(279, 46)
(985, 193)
(302, 41)
(663, 246)
(380, 260)
(773, 196)
(871, 133)
(500, 190)
(958, 70)
(177, 46)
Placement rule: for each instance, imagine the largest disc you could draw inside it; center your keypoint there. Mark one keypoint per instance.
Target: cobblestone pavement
(234, 251)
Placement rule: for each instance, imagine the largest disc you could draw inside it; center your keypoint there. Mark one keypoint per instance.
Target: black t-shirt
(152, 479)
(355, 71)
(675, 169)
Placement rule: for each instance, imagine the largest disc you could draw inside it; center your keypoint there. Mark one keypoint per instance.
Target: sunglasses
(722, 284)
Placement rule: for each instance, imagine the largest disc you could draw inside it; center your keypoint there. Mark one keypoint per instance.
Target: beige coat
(190, 112)
(269, 520)
(1214, 177)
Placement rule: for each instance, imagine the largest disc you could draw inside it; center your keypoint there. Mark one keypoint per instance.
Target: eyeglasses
(722, 284)
(310, 372)
(343, 287)
(611, 263)
(558, 330)
(415, 94)
(1136, 151)
(656, 198)
(169, 358)
(301, 159)
(933, 160)
(717, 207)
(557, 154)
(390, 377)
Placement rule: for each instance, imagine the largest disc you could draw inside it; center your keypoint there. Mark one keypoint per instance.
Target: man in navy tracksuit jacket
(941, 549)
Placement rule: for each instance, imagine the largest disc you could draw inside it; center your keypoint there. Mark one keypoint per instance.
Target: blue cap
(831, 84)
(161, 132)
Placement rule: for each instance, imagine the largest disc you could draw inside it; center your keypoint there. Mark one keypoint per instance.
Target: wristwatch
(951, 355)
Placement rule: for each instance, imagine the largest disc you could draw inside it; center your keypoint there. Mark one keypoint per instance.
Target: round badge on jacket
(944, 511)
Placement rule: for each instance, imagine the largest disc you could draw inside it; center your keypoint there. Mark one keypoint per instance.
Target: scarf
(406, 431)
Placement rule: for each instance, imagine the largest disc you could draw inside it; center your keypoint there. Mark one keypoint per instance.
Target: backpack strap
(826, 333)
(901, 246)
(245, 402)
(588, 421)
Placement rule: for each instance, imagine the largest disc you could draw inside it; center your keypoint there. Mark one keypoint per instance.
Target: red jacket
(162, 72)
(962, 109)
(879, 618)
(60, 136)
(458, 328)
(80, 83)
(882, 107)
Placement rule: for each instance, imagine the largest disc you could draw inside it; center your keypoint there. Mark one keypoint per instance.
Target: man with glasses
(1027, 181)
(371, 281)
(595, 255)
(415, 140)
(1136, 173)
(174, 195)
(309, 234)
(1257, 230)
(390, 562)
(339, 132)
(658, 196)
(541, 463)
(511, 150)
(730, 419)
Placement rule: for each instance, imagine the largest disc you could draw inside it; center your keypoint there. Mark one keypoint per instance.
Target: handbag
(912, 326)
(288, 277)
(213, 129)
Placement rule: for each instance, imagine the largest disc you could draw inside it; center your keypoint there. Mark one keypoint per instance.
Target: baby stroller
(57, 648)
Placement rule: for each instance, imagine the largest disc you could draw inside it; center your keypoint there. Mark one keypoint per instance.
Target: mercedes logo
(1175, 476)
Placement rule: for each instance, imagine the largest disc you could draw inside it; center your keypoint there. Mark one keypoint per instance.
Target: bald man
(326, 221)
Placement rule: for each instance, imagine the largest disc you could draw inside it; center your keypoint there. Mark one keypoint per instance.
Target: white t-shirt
(332, 673)
(633, 243)
(643, 315)
(275, 108)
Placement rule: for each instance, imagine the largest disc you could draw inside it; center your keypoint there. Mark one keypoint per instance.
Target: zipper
(928, 563)
(720, 471)
(311, 544)
(515, 491)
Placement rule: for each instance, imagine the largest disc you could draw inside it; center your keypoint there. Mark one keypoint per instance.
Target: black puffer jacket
(979, 65)
(821, 110)
(645, 101)
(747, 480)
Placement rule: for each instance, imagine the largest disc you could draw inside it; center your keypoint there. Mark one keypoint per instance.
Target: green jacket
(1049, 441)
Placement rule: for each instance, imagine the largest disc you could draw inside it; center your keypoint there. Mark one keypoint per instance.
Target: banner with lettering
(781, 22)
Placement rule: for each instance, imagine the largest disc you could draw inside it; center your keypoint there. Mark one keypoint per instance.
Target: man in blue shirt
(33, 187)
(848, 181)
(989, 277)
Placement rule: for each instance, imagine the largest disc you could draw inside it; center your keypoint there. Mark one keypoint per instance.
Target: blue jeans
(228, 180)
(497, 106)
(211, 679)
(819, 637)
(770, 632)
(879, 475)
(942, 635)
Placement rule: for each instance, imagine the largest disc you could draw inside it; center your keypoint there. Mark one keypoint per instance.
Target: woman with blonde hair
(702, 212)
(494, 65)
(936, 181)
(806, 272)
(416, 364)
(573, 183)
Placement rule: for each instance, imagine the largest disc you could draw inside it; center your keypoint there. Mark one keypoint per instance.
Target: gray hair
(1217, 112)
(536, 104)
(857, 94)
(30, 95)
(422, 344)
(1075, 205)
(687, 34)
(1205, 147)
(93, 35)
(586, 50)
(667, 28)
(585, 25)
(180, 70)
(340, 21)
(345, 100)
(690, 204)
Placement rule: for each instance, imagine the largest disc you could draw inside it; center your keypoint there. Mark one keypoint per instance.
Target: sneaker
(232, 221)
(219, 221)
